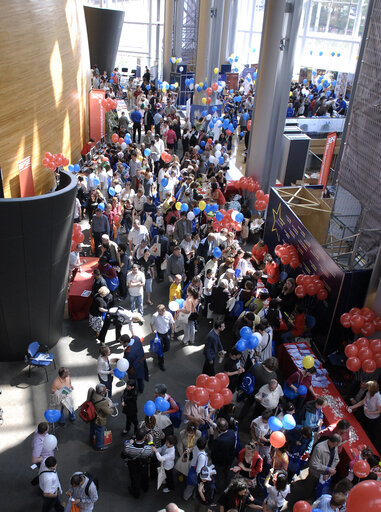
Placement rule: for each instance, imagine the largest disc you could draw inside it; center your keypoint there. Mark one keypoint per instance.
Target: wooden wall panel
(44, 81)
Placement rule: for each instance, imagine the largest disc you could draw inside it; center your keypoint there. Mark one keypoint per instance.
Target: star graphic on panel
(277, 219)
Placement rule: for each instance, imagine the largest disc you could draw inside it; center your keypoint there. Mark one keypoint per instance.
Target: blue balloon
(158, 402)
(236, 58)
(255, 74)
(214, 108)
(71, 168)
(288, 422)
(101, 206)
(219, 216)
(225, 124)
(200, 151)
(127, 138)
(198, 89)
(196, 211)
(180, 302)
(161, 404)
(172, 87)
(111, 81)
(275, 423)
(231, 127)
(221, 160)
(334, 83)
(231, 91)
(328, 94)
(202, 143)
(325, 84)
(314, 72)
(239, 217)
(311, 96)
(208, 208)
(96, 181)
(149, 408)
(245, 332)
(217, 253)
(305, 81)
(338, 55)
(184, 207)
(147, 152)
(204, 113)
(320, 79)
(164, 182)
(237, 272)
(111, 191)
(191, 80)
(118, 374)
(252, 342)
(320, 53)
(231, 60)
(77, 168)
(241, 345)
(319, 87)
(245, 116)
(289, 393)
(332, 54)
(148, 87)
(187, 82)
(241, 134)
(205, 86)
(302, 390)
(52, 415)
(311, 52)
(214, 208)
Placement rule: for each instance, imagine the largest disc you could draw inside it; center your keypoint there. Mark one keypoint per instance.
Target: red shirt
(297, 379)
(219, 197)
(171, 136)
(259, 252)
(272, 271)
(299, 325)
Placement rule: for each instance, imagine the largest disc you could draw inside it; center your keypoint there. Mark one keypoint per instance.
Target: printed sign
(96, 114)
(327, 159)
(26, 178)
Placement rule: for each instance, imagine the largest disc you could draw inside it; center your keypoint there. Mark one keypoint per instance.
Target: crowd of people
(151, 202)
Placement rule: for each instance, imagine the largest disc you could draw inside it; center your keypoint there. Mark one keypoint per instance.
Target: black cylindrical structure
(104, 27)
(36, 237)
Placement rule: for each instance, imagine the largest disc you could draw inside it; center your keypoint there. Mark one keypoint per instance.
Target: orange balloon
(115, 137)
(277, 439)
(223, 378)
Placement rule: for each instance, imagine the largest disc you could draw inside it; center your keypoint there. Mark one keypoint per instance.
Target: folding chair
(39, 359)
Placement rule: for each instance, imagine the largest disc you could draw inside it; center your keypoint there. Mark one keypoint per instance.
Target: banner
(96, 115)
(26, 178)
(327, 159)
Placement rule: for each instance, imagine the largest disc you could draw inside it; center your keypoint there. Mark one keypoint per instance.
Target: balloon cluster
(310, 285)
(176, 304)
(175, 60)
(248, 183)
(74, 168)
(365, 354)
(109, 104)
(51, 161)
(361, 321)
(262, 201)
(121, 368)
(116, 139)
(77, 236)
(230, 219)
(210, 389)
(288, 255)
(249, 339)
(160, 405)
(288, 423)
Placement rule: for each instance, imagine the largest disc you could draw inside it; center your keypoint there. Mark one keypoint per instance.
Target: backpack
(92, 479)
(87, 411)
(247, 384)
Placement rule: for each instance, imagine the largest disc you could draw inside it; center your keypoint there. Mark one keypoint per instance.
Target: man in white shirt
(103, 182)
(50, 485)
(135, 283)
(163, 324)
(159, 144)
(138, 203)
(166, 455)
(75, 262)
(270, 394)
(137, 234)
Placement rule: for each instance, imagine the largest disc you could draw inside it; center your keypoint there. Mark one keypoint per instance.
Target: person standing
(50, 486)
(130, 406)
(104, 369)
(138, 453)
(62, 381)
(103, 409)
(134, 353)
(175, 264)
(166, 455)
(163, 324)
(39, 452)
(212, 347)
(136, 118)
(147, 264)
(135, 284)
(222, 452)
(83, 490)
(99, 226)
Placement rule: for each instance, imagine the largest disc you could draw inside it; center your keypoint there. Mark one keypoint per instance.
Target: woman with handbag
(98, 308)
(250, 464)
(190, 308)
(187, 441)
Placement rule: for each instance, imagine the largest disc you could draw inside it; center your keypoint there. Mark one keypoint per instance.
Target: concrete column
(232, 27)
(279, 37)
(217, 31)
(178, 28)
(168, 38)
(203, 46)
(226, 27)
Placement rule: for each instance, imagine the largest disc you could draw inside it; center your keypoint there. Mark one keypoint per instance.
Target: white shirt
(275, 497)
(187, 246)
(208, 285)
(138, 202)
(135, 291)
(269, 399)
(137, 235)
(261, 428)
(103, 178)
(372, 403)
(162, 323)
(74, 260)
(160, 146)
(128, 194)
(77, 208)
(166, 454)
(49, 482)
(103, 368)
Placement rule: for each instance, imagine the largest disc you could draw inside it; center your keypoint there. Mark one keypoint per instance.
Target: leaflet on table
(43, 357)
(86, 275)
(86, 293)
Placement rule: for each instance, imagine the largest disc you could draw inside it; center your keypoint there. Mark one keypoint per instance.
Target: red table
(335, 411)
(79, 305)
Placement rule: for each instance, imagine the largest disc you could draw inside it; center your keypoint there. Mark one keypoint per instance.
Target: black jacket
(222, 448)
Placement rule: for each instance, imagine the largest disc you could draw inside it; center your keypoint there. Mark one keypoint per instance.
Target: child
(276, 493)
(245, 231)
(130, 407)
(166, 454)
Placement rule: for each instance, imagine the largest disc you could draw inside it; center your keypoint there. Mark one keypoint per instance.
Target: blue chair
(38, 359)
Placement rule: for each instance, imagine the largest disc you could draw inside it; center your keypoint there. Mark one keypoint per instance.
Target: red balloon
(285, 259)
(365, 495)
(209, 91)
(357, 321)
(377, 323)
(224, 379)
(202, 380)
(311, 289)
(322, 294)
(73, 245)
(266, 198)
(356, 330)
(210, 140)
(213, 385)
(369, 365)
(48, 155)
(299, 291)
(368, 328)
(277, 439)
(353, 364)
(121, 140)
(115, 137)
(259, 194)
(227, 394)
(300, 279)
(365, 353)
(78, 237)
(377, 360)
(189, 392)
(208, 101)
(354, 311)
(215, 86)
(302, 506)
(367, 314)
(261, 205)
(200, 396)
(248, 126)
(276, 251)
(361, 468)
(351, 350)
(362, 343)
(294, 263)
(216, 400)
(77, 228)
(46, 162)
(375, 346)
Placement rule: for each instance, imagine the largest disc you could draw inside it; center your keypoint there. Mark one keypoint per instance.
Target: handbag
(161, 476)
(107, 437)
(163, 265)
(192, 476)
(193, 316)
(155, 250)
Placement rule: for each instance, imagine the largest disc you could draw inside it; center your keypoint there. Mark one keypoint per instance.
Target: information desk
(79, 297)
(335, 410)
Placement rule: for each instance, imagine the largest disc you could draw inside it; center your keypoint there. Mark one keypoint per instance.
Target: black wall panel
(104, 27)
(36, 237)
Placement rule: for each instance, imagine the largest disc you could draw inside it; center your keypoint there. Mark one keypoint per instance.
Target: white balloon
(191, 87)
(219, 89)
(211, 159)
(218, 146)
(181, 69)
(190, 216)
(123, 146)
(218, 123)
(179, 60)
(234, 213)
(118, 189)
(122, 365)
(223, 84)
(50, 442)
(174, 306)
(208, 117)
(217, 154)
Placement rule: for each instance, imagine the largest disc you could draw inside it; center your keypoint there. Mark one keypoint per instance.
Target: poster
(96, 114)
(26, 177)
(327, 159)
(283, 226)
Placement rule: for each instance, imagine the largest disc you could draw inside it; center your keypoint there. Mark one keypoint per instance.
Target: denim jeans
(107, 383)
(137, 304)
(61, 421)
(99, 433)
